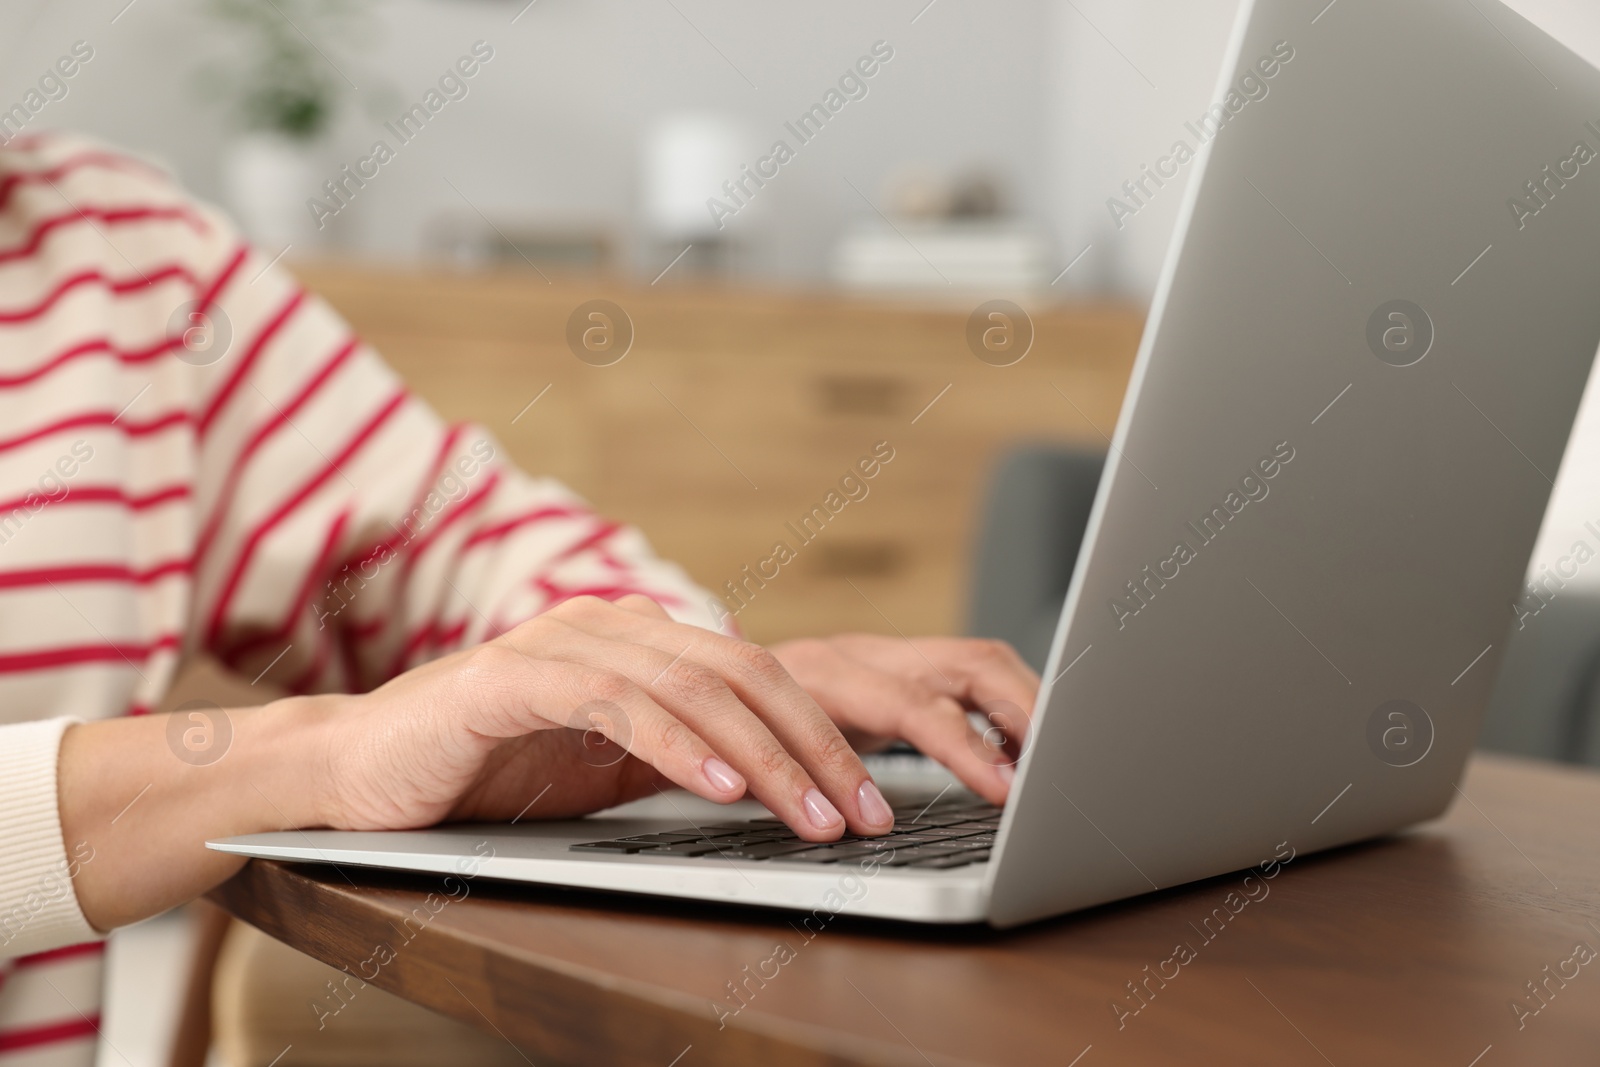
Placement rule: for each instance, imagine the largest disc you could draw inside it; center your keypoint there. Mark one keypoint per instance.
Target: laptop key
(957, 859)
(623, 847)
(768, 850)
(663, 839)
(905, 858)
(856, 852)
(927, 822)
(813, 855)
(686, 848)
(936, 850)
(907, 840)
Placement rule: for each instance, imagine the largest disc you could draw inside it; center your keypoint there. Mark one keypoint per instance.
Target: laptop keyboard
(938, 836)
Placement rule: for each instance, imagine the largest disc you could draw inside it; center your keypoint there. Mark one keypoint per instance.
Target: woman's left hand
(877, 689)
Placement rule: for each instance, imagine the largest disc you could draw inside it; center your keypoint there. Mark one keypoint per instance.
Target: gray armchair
(1034, 516)
(1546, 702)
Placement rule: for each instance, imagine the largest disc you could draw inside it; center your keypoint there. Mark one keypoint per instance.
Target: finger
(511, 693)
(985, 675)
(697, 696)
(761, 684)
(935, 722)
(613, 706)
(803, 730)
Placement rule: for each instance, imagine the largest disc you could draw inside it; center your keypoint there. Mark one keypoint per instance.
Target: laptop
(1363, 361)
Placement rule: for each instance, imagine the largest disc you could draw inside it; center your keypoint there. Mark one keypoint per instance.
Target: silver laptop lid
(1361, 369)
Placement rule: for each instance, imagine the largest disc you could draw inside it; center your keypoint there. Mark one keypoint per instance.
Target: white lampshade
(687, 158)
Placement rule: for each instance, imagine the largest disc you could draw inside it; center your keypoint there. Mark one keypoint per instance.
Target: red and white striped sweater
(197, 455)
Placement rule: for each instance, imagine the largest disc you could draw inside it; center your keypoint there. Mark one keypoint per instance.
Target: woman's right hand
(479, 734)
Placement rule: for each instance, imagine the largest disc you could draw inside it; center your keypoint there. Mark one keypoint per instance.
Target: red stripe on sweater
(114, 286)
(247, 361)
(99, 346)
(208, 295)
(108, 160)
(93, 572)
(56, 955)
(110, 216)
(375, 625)
(601, 534)
(256, 536)
(432, 636)
(467, 505)
(45, 659)
(429, 635)
(319, 661)
(435, 529)
(50, 1033)
(31, 142)
(558, 594)
(102, 494)
(314, 575)
(402, 535)
(537, 515)
(275, 422)
(368, 629)
(127, 427)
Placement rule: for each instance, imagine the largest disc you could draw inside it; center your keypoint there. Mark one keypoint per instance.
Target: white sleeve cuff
(38, 905)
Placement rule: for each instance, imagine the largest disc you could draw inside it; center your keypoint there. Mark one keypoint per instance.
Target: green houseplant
(282, 84)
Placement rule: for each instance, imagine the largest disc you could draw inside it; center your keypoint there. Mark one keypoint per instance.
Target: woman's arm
(589, 705)
(137, 815)
(475, 735)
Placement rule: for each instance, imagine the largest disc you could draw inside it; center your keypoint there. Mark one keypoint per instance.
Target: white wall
(1128, 74)
(1108, 120)
(553, 125)
(1065, 99)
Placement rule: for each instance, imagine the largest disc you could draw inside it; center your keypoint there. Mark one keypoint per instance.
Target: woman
(197, 456)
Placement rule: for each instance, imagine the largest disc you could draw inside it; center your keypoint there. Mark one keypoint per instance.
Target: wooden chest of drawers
(734, 412)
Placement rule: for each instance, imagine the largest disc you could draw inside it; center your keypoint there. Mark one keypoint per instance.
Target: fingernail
(874, 809)
(823, 815)
(723, 778)
(1006, 772)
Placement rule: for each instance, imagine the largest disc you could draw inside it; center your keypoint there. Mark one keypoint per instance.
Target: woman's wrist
(146, 793)
(292, 743)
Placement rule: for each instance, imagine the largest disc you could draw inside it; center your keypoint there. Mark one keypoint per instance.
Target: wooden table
(1411, 950)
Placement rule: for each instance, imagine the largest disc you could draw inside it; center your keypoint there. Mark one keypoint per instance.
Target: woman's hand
(879, 689)
(588, 705)
(596, 703)
(481, 733)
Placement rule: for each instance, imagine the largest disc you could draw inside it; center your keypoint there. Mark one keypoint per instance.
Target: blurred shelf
(725, 389)
(966, 257)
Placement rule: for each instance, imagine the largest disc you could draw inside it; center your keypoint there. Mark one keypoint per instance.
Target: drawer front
(736, 414)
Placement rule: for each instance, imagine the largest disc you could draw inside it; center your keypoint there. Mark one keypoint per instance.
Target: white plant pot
(267, 179)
